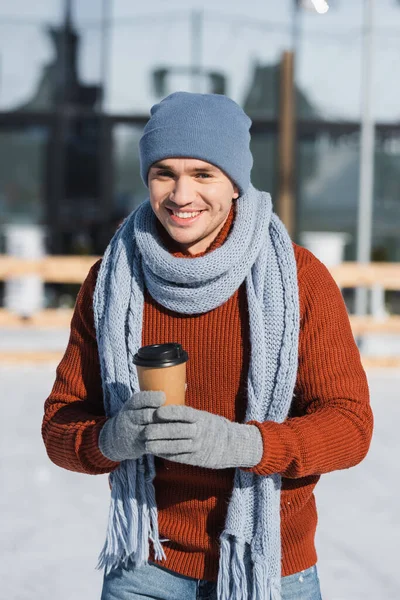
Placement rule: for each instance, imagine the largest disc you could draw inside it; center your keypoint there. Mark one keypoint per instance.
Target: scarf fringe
(264, 586)
(235, 574)
(223, 585)
(131, 522)
(154, 536)
(238, 570)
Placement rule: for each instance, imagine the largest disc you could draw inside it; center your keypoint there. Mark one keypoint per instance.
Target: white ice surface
(52, 522)
(32, 339)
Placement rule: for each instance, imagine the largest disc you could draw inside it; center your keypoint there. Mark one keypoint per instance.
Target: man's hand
(122, 437)
(196, 437)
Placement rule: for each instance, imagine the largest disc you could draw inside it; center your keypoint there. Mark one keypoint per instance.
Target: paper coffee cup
(162, 367)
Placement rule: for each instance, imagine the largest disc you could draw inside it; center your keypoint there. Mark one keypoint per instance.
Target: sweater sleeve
(330, 423)
(74, 411)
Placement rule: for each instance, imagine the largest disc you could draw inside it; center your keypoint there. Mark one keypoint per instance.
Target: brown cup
(162, 367)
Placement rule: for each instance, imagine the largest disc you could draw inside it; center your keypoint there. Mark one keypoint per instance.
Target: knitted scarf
(258, 251)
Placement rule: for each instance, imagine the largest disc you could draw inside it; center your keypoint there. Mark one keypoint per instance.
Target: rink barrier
(51, 269)
(377, 277)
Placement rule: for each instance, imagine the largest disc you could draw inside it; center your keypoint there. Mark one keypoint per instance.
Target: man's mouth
(179, 216)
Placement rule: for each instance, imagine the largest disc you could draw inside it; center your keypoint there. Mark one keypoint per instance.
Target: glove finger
(145, 400)
(173, 412)
(144, 416)
(170, 431)
(170, 447)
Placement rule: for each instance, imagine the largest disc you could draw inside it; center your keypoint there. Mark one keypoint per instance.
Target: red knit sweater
(329, 426)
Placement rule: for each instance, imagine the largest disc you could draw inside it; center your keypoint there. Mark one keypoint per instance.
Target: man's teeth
(186, 215)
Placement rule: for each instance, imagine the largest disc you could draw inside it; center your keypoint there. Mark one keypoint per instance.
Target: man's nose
(183, 191)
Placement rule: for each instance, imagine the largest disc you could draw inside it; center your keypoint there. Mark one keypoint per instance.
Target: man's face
(192, 200)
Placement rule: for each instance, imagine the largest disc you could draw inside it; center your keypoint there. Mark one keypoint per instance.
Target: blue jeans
(152, 582)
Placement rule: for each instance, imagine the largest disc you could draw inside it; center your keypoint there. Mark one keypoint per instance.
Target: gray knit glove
(196, 437)
(122, 437)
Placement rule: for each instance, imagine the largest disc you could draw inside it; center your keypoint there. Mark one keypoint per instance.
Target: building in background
(74, 97)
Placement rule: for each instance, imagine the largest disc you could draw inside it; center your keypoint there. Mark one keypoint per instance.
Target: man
(213, 499)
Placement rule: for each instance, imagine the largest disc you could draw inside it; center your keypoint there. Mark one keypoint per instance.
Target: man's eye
(204, 175)
(165, 174)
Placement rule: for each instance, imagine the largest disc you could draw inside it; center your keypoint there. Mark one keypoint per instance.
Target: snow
(53, 522)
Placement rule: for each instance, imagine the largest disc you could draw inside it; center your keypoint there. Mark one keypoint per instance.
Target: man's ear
(236, 192)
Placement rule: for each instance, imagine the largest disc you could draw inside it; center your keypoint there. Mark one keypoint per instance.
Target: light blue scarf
(258, 251)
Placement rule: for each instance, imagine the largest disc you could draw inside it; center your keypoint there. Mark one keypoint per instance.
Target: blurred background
(319, 78)
(77, 80)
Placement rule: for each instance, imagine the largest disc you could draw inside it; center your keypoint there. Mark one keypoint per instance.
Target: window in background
(79, 173)
(328, 65)
(233, 49)
(327, 176)
(265, 155)
(129, 190)
(27, 54)
(386, 221)
(63, 63)
(90, 23)
(387, 61)
(329, 73)
(22, 175)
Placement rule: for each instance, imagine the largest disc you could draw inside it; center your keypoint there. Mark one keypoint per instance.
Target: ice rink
(53, 522)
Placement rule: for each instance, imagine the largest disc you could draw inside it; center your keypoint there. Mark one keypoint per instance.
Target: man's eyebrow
(203, 169)
(160, 165)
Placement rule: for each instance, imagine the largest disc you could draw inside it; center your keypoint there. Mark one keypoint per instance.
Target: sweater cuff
(274, 453)
(106, 441)
(98, 457)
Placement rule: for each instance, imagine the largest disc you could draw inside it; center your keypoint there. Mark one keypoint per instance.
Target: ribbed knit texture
(209, 127)
(331, 390)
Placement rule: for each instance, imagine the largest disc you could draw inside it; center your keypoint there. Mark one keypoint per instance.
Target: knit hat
(210, 127)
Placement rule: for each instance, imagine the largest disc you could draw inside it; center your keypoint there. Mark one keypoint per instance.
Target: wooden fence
(73, 269)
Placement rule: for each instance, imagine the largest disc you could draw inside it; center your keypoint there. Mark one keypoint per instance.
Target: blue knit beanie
(210, 127)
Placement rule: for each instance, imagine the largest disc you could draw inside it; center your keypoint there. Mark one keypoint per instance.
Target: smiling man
(192, 200)
(214, 499)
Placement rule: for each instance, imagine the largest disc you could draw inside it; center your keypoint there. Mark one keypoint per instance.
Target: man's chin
(186, 242)
(183, 235)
